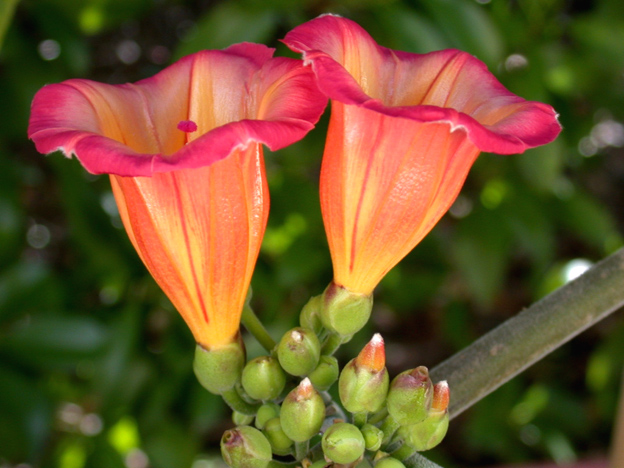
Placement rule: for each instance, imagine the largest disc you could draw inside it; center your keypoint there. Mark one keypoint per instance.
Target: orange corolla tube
(184, 153)
(404, 131)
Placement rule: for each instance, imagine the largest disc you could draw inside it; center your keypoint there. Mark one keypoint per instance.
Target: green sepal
(345, 312)
(219, 369)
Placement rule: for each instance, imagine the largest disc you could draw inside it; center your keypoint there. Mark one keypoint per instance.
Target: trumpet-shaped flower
(404, 131)
(183, 150)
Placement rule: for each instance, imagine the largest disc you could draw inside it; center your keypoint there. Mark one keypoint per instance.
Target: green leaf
(53, 341)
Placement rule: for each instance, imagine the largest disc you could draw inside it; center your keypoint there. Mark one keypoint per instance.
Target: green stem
(301, 449)
(359, 419)
(403, 452)
(389, 426)
(236, 402)
(416, 460)
(522, 340)
(331, 344)
(254, 326)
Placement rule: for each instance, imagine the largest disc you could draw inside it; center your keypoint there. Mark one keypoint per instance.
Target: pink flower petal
(448, 85)
(236, 96)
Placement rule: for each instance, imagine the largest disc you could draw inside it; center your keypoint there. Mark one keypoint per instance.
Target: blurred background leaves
(95, 365)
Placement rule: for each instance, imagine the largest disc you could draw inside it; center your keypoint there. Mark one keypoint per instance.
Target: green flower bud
(265, 412)
(246, 447)
(241, 419)
(299, 351)
(325, 374)
(426, 434)
(302, 412)
(410, 395)
(343, 443)
(389, 462)
(281, 444)
(345, 312)
(263, 378)
(219, 369)
(320, 464)
(310, 315)
(364, 381)
(373, 436)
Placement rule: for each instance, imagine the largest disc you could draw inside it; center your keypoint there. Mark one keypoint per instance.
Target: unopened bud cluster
(281, 408)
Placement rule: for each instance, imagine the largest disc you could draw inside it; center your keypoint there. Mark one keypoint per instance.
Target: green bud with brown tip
(364, 381)
(345, 312)
(263, 378)
(299, 351)
(325, 374)
(302, 412)
(343, 443)
(219, 369)
(246, 447)
(410, 396)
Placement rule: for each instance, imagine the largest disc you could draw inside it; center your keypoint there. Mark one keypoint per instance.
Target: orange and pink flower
(184, 153)
(404, 131)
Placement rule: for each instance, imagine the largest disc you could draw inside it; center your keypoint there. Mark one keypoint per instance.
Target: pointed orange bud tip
(441, 396)
(373, 355)
(305, 389)
(187, 126)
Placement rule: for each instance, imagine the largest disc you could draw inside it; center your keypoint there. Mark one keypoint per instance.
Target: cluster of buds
(282, 409)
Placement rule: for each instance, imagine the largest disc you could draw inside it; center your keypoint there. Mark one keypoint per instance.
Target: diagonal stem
(253, 325)
(524, 339)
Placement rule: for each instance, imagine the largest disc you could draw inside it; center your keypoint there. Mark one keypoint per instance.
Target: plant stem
(254, 326)
(416, 460)
(359, 419)
(301, 449)
(522, 340)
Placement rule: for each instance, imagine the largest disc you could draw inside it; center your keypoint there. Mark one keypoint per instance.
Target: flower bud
(240, 419)
(325, 374)
(281, 444)
(409, 398)
(263, 378)
(364, 381)
(343, 443)
(373, 436)
(302, 412)
(310, 315)
(389, 462)
(265, 412)
(320, 464)
(299, 351)
(426, 434)
(219, 369)
(345, 312)
(246, 447)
